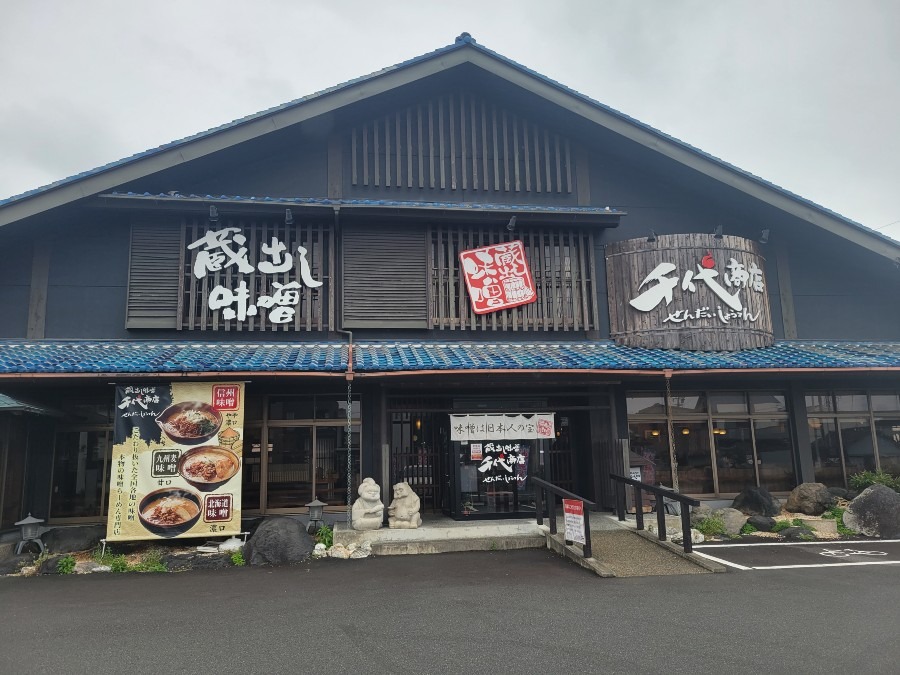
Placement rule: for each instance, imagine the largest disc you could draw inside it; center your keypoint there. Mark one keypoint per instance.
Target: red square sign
(497, 277)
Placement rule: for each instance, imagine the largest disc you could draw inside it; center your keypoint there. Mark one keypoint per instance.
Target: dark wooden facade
(428, 166)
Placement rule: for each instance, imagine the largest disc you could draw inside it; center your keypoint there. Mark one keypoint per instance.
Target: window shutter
(384, 281)
(153, 275)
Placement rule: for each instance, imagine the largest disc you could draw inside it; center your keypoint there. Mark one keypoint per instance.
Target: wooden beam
(785, 290)
(335, 167)
(37, 300)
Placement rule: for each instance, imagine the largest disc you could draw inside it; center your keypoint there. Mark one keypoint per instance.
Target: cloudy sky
(805, 93)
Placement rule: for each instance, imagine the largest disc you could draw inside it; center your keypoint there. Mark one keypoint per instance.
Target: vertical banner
(573, 510)
(177, 460)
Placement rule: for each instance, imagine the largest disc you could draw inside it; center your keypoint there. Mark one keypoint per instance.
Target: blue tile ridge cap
(462, 41)
(388, 203)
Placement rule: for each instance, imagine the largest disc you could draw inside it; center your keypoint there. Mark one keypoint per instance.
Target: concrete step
(507, 543)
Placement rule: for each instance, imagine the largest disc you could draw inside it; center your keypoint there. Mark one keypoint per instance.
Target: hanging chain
(672, 458)
(349, 447)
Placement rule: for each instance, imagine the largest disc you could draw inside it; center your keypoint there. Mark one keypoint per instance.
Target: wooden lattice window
(460, 141)
(314, 311)
(561, 263)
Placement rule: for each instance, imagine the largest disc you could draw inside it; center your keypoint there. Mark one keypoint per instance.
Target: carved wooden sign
(688, 291)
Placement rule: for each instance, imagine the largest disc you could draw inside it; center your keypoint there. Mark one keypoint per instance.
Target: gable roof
(464, 50)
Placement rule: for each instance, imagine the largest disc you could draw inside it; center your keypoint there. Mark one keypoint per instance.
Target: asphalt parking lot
(800, 555)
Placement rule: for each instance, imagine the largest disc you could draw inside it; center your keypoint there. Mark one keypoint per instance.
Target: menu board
(177, 461)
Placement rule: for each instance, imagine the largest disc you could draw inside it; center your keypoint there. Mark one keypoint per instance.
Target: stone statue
(368, 511)
(403, 513)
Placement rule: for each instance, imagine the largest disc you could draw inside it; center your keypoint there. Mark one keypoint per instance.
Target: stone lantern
(31, 531)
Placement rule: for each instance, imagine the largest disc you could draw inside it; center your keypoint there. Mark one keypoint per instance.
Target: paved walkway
(615, 546)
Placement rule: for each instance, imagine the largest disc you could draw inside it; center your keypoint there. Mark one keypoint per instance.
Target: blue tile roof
(370, 357)
(463, 41)
(146, 356)
(378, 203)
(606, 355)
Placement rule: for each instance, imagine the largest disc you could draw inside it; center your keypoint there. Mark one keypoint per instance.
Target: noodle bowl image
(208, 466)
(190, 422)
(169, 512)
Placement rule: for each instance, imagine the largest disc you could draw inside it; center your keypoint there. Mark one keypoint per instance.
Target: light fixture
(213, 214)
(418, 424)
(652, 237)
(654, 432)
(316, 510)
(718, 233)
(685, 431)
(764, 237)
(288, 217)
(511, 225)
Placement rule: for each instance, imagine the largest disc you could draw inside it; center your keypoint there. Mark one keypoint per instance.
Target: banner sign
(501, 427)
(573, 510)
(497, 277)
(177, 460)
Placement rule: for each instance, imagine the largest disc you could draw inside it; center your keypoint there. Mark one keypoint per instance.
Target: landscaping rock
(734, 520)
(797, 533)
(74, 538)
(875, 513)
(340, 551)
(88, 567)
(762, 523)
(696, 537)
(699, 513)
(320, 551)
(278, 541)
(194, 560)
(840, 493)
(756, 502)
(363, 551)
(12, 564)
(49, 564)
(813, 499)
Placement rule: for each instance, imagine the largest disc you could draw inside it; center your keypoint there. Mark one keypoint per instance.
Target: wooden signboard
(694, 292)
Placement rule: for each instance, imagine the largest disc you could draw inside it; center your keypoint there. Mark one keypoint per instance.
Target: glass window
(887, 432)
(767, 402)
(80, 474)
(692, 452)
(688, 403)
(334, 407)
(859, 451)
(289, 475)
(890, 402)
(821, 402)
(734, 455)
(252, 459)
(851, 402)
(646, 404)
(650, 452)
(826, 451)
(774, 455)
(291, 408)
(728, 403)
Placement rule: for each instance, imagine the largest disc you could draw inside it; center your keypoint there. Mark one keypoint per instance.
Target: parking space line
(721, 561)
(799, 543)
(851, 564)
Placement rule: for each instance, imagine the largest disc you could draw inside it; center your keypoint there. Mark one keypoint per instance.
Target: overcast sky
(804, 93)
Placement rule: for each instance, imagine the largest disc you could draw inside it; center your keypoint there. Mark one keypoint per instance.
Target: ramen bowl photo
(208, 466)
(190, 422)
(169, 512)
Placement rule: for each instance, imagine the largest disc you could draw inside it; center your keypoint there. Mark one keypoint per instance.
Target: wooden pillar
(37, 301)
(802, 448)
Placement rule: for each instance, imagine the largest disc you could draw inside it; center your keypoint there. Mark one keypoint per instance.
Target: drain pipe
(349, 377)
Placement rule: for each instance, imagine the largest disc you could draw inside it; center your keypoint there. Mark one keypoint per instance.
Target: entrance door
(290, 468)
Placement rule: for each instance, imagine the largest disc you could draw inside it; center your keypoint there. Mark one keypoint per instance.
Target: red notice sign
(573, 510)
(497, 277)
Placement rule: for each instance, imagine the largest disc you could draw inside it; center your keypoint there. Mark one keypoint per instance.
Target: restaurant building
(454, 272)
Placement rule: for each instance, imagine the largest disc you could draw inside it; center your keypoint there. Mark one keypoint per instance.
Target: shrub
(117, 563)
(237, 559)
(325, 536)
(836, 513)
(860, 481)
(710, 527)
(65, 565)
(781, 525)
(749, 528)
